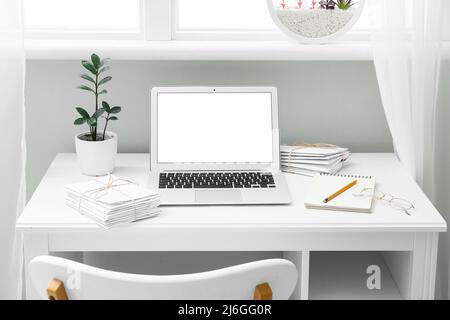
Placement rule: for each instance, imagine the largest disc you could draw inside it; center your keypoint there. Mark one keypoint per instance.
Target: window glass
(82, 14)
(224, 15)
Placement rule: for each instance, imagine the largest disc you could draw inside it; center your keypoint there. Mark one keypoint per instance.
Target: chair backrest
(57, 278)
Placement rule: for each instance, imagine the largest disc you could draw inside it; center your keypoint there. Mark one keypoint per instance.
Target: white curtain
(12, 155)
(407, 41)
(407, 55)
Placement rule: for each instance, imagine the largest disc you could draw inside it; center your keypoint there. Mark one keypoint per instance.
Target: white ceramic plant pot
(314, 26)
(96, 158)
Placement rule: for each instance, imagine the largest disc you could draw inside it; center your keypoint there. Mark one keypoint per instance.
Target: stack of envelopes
(310, 160)
(111, 201)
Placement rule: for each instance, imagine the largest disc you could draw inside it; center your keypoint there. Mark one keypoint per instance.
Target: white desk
(409, 243)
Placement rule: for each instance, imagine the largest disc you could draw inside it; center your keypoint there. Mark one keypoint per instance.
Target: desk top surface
(46, 210)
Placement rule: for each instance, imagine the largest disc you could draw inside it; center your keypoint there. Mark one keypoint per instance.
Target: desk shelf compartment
(344, 276)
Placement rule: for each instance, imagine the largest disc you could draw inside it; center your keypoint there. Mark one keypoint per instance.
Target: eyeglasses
(396, 203)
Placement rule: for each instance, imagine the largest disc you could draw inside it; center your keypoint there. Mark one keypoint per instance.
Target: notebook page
(325, 185)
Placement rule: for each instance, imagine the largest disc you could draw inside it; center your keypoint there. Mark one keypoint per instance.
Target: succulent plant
(344, 4)
(327, 4)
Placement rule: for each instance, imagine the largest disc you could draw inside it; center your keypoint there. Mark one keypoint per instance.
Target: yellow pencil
(340, 191)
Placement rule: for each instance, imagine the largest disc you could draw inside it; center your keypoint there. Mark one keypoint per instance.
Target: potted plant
(320, 22)
(97, 148)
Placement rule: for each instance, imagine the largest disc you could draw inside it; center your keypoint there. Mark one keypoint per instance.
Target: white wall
(335, 102)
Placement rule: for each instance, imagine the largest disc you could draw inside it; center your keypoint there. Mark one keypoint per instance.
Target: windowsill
(197, 50)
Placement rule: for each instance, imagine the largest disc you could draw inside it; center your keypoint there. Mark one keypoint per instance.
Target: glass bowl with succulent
(97, 148)
(311, 21)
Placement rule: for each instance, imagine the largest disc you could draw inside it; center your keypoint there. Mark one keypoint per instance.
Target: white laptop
(216, 145)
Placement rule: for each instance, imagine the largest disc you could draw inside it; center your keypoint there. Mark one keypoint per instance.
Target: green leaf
(86, 88)
(88, 78)
(106, 68)
(83, 113)
(103, 92)
(115, 110)
(89, 66)
(98, 113)
(113, 118)
(95, 60)
(104, 80)
(106, 106)
(92, 122)
(79, 121)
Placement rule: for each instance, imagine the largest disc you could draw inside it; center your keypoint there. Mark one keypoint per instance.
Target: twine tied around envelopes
(298, 146)
(112, 183)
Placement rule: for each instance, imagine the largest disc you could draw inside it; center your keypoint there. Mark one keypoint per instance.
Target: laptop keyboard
(216, 180)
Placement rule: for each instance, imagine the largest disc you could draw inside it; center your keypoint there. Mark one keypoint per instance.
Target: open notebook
(327, 184)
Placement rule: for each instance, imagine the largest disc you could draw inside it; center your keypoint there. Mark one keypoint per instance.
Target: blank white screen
(214, 127)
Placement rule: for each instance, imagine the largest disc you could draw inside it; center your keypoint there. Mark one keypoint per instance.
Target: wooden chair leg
(263, 292)
(56, 290)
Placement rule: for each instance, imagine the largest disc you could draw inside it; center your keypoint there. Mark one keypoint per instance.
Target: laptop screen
(219, 127)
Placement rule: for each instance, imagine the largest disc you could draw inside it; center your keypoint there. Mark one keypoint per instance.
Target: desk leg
(35, 244)
(415, 271)
(301, 261)
(423, 266)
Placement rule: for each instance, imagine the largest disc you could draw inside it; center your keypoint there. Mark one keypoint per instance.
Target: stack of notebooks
(111, 201)
(308, 160)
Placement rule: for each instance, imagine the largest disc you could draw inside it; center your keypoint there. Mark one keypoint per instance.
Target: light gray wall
(334, 102)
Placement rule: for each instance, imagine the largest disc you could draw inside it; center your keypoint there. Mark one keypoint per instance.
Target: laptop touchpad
(218, 196)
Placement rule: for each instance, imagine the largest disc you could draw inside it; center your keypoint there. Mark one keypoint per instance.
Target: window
(216, 19)
(219, 15)
(159, 20)
(88, 17)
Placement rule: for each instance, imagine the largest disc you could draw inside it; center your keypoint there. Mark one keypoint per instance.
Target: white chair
(61, 279)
